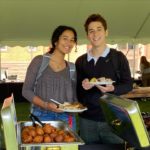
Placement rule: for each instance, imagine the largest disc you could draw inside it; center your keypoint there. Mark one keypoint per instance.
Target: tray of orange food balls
(101, 81)
(36, 134)
(52, 133)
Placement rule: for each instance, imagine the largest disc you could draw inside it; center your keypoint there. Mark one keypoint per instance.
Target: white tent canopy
(31, 22)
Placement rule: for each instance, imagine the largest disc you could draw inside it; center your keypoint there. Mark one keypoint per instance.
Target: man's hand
(86, 84)
(107, 88)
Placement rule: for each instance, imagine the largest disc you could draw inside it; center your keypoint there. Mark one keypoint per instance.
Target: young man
(99, 62)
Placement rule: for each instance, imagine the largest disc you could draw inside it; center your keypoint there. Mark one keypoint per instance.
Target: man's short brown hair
(93, 18)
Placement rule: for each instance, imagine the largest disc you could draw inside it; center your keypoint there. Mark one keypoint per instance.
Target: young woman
(55, 82)
(145, 71)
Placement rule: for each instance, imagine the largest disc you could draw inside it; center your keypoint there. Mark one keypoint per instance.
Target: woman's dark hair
(144, 61)
(93, 18)
(58, 32)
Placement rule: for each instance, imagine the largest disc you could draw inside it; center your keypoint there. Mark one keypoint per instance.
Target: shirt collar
(104, 54)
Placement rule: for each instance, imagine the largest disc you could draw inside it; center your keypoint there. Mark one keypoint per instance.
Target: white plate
(102, 83)
(74, 110)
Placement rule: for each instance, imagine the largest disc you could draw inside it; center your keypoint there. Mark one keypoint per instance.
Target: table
(7, 88)
(139, 92)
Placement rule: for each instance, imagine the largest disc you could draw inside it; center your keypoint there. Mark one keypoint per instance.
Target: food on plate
(45, 134)
(93, 79)
(74, 105)
(101, 79)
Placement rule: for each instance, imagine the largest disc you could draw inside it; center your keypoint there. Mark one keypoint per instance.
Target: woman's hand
(107, 88)
(53, 107)
(46, 105)
(86, 84)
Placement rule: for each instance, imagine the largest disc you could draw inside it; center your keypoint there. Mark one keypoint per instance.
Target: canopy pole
(133, 59)
(145, 20)
(0, 65)
(136, 35)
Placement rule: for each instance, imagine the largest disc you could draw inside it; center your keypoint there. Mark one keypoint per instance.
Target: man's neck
(98, 51)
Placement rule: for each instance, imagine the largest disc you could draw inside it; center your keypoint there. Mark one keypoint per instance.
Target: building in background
(15, 60)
